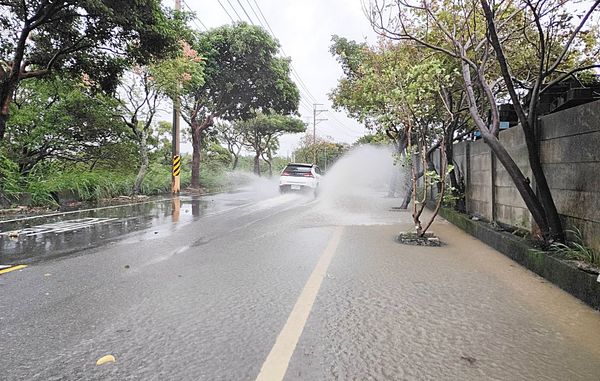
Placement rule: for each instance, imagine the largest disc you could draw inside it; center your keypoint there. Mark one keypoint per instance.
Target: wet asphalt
(202, 291)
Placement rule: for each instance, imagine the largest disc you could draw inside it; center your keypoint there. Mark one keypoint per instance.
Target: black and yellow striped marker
(176, 165)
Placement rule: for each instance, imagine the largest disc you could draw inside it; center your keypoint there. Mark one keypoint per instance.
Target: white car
(300, 177)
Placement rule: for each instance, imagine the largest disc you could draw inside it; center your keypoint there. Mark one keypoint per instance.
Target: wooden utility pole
(315, 121)
(176, 169)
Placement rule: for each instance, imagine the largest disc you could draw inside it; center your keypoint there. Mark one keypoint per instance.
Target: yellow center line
(18, 267)
(278, 360)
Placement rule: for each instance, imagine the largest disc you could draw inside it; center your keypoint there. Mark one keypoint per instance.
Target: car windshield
(297, 169)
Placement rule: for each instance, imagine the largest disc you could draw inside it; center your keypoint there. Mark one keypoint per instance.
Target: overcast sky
(304, 29)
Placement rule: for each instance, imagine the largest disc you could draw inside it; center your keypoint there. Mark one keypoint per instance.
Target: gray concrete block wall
(460, 159)
(570, 155)
(510, 209)
(480, 181)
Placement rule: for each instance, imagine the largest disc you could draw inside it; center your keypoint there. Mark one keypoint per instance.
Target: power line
(305, 104)
(345, 128)
(302, 86)
(246, 13)
(296, 75)
(195, 16)
(231, 18)
(306, 97)
(294, 72)
(264, 18)
(235, 10)
(254, 12)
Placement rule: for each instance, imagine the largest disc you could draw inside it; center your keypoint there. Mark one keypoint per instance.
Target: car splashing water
(354, 190)
(261, 191)
(260, 187)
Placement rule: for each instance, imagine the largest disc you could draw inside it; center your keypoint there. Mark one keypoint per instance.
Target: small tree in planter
(429, 124)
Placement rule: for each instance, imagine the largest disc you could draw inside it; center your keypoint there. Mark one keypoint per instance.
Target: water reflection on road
(32, 239)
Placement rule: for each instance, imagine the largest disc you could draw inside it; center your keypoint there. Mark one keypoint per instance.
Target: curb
(578, 283)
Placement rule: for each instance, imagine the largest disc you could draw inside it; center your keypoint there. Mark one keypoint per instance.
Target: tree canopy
(243, 76)
(261, 133)
(96, 38)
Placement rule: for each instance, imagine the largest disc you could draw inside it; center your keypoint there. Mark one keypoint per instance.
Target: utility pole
(176, 169)
(315, 121)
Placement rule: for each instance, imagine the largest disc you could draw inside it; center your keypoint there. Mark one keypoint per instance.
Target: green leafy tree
(397, 90)
(233, 139)
(325, 149)
(139, 101)
(58, 119)
(261, 133)
(74, 37)
(378, 138)
(503, 50)
(143, 89)
(242, 75)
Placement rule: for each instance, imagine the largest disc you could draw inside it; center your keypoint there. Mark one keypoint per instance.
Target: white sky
(304, 29)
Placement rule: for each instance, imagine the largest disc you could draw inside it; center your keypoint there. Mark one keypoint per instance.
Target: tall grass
(85, 185)
(575, 249)
(9, 179)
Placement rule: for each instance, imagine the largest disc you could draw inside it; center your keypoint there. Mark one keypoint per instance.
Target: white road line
(278, 360)
(60, 227)
(82, 211)
(183, 198)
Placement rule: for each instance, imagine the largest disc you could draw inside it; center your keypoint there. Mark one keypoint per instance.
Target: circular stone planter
(411, 238)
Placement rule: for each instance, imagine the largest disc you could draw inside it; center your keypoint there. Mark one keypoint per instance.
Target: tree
(232, 137)
(327, 150)
(507, 49)
(144, 88)
(77, 36)
(372, 92)
(261, 132)
(139, 106)
(57, 118)
(242, 76)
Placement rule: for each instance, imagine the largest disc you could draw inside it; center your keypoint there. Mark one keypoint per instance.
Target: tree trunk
(257, 163)
(197, 130)
(442, 187)
(269, 163)
(521, 182)
(3, 120)
(9, 84)
(457, 187)
(196, 148)
(407, 195)
(551, 225)
(555, 230)
(235, 162)
(142, 142)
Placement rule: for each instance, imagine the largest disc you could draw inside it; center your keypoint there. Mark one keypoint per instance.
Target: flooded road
(255, 286)
(32, 239)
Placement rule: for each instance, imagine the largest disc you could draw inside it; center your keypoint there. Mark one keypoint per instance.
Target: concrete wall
(510, 209)
(570, 154)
